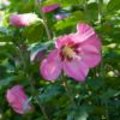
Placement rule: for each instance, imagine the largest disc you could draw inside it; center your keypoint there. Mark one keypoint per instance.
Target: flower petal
(51, 67)
(50, 8)
(93, 40)
(83, 28)
(90, 55)
(16, 97)
(86, 35)
(22, 20)
(76, 69)
(63, 40)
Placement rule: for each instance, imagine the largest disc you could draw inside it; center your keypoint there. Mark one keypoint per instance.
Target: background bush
(96, 99)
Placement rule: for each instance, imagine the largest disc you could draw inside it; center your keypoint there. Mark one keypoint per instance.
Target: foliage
(98, 98)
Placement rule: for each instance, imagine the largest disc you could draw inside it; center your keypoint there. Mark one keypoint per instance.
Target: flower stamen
(68, 52)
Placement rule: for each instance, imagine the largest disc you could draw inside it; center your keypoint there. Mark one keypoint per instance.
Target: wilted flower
(21, 20)
(37, 55)
(75, 54)
(50, 8)
(18, 100)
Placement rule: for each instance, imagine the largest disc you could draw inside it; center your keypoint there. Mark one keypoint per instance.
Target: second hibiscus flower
(75, 54)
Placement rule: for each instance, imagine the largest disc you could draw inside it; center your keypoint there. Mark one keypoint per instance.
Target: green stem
(42, 109)
(69, 93)
(107, 112)
(85, 5)
(30, 77)
(38, 3)
(38, 101)
(30, 81)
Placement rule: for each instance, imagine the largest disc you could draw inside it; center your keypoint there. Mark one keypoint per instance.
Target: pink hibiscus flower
(22, 20)
(75, 54)
(18, 100)
(50, 8)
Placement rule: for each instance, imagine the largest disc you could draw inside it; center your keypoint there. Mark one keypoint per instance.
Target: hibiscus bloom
(75, 54)
(18, 100)
(50, 8)
(22, 20)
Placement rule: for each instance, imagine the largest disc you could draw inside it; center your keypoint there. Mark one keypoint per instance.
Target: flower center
(68, 52)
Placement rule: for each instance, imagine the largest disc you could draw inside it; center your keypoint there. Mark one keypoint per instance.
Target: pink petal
(51, 67)
(18, 108)
(76, 69)
(63, 40)
(22, 20)
(50, 8)
(93, 40)
(10, 97)
(83, 28)
(16, 98)
(86, 35)
(14, 93)
(16, 20)
(90, 55)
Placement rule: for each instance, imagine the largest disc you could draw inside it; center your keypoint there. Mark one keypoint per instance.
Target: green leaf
(113, 6)
(108, 94)
(6, 81)
(72, 20)
(91, 12)
(35, 49)
(34, 32)
(50, 93)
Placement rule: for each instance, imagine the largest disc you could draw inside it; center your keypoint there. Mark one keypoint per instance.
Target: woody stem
(38, 3)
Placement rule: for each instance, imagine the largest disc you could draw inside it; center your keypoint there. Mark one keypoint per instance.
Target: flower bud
(50, 8)
(18, 100)
(22, 20)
